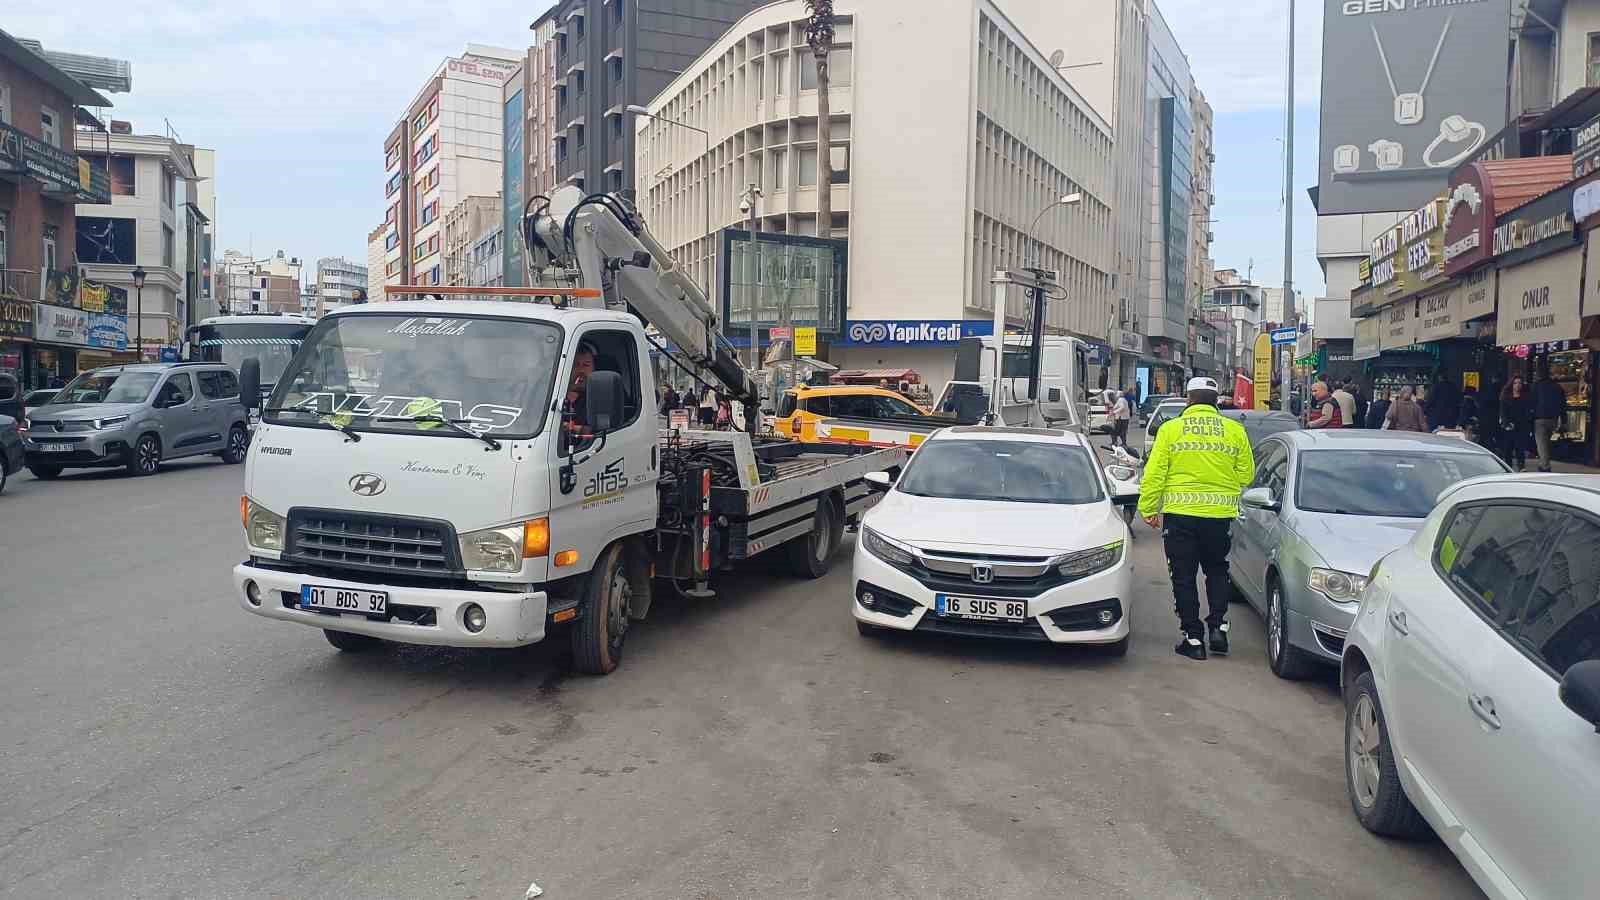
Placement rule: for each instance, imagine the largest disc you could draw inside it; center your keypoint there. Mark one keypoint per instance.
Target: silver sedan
(1325, 506)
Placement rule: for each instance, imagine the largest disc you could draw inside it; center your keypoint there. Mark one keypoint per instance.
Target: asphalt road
(156, 741)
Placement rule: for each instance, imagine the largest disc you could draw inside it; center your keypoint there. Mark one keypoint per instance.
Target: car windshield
(108, 387)
(490, 375)
(1024, 471)
(1165, 413)
(1401, 484)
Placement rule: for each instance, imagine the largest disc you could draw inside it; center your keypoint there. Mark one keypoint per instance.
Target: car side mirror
(879, 481)
(1580, 691)
(602, 396)
(1259, 498)
(250, 383)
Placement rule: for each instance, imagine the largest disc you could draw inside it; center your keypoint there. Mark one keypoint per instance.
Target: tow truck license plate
(332, 599)
(980, 608)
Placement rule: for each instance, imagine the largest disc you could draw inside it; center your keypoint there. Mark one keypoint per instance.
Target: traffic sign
(1284, 335)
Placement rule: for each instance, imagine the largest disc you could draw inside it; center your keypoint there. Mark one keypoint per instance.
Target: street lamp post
(1036, 293)
(705, 181)
(747, 205)
(138, 321)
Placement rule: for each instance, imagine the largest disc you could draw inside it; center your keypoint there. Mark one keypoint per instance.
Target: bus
(271, 338)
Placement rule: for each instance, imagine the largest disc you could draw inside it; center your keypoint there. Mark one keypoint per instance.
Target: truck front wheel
(601, 628)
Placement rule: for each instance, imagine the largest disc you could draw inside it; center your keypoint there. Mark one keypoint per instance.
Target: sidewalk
(1567, 468)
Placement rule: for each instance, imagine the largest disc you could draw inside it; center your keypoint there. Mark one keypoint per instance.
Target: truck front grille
(374, 543)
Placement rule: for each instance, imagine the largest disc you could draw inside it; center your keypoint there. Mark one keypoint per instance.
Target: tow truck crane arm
(602, 237)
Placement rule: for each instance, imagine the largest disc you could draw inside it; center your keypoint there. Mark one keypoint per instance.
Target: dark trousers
(1119, 432)
(1194, 543)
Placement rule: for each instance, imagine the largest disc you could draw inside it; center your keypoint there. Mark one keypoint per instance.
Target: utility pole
(752, 267)
(1288, 200)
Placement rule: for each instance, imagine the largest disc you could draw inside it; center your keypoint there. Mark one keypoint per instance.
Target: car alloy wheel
(1274, 624)
(147, 455)
(1363, 752)
(238, 444)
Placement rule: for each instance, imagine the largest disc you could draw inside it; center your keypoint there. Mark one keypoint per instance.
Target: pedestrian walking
(1327, 413)
(708, 407)
(1549, 407)
(1516, 420)
(1469, 412)
(1347, 406)
(1444, 404)
(1405, 413)
(1354, 388)
(1190, 491)
(669, 400)
(1377, 412)
(1121, 414)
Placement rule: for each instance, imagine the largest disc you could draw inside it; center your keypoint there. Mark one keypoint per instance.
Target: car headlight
(1088, 562)
(24, 424)
(504, 549)
(1340, 587)
(889, 551)
(262, 527)
(109, 421)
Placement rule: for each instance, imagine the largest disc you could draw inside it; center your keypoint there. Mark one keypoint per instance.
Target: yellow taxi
(800, 408)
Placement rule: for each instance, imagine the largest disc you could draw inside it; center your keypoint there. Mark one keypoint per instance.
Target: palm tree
(819, 37)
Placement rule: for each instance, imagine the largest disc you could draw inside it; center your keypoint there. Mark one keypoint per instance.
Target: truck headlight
(109, 422)
(262, 527)
(1340, 587)
(1088, 562)
(504, 549)
(891, 552)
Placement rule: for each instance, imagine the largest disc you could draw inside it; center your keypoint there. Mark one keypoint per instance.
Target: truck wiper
(350, 434)
(453, 424)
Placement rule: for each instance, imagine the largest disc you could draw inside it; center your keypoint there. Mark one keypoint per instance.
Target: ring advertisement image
(1406, 97)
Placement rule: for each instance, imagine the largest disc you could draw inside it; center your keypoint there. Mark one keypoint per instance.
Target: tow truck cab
(444, 473)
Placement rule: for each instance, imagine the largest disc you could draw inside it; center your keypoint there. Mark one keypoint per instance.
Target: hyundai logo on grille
(982, 574)
(367, 484)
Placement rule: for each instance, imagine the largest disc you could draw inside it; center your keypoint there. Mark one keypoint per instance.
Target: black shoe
(1219, 639)
(1191, 647)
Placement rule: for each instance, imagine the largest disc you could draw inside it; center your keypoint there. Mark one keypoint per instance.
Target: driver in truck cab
(572, 411)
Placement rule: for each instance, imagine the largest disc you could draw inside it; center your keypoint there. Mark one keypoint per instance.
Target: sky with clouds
(297, 97)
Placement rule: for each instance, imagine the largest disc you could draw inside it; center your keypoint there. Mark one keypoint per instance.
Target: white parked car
(1164, 412)
(1472, 684)
(1000, 532)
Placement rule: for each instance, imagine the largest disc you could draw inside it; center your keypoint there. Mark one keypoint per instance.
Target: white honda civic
(1000, 532)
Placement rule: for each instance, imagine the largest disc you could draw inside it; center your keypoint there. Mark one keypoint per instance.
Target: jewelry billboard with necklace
(1408, 106)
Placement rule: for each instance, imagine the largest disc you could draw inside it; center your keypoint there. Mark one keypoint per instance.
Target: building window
(839, 157)
(780, 74)
(806, 158)
(808, 70)
(50, 126)
(5, 104)
(577, 27)
(777, 175)
(577, 132)
(561, 149)
(168, 251)
(1592, 70)
(169, 188)
(50, 233)
(391, 156)
(839, 62)
(3, 255)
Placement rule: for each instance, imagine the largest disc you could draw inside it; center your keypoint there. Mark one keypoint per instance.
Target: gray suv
(136, 416)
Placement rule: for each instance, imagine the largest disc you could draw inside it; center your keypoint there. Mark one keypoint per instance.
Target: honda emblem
(982, 574)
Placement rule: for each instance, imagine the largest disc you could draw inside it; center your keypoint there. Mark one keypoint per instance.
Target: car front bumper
(431, 616)
(1066, 614)
(1316, 624)
(88, 448)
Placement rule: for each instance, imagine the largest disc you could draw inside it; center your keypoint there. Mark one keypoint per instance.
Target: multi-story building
(446, 147)
(1202, 166)
(610, 54)
(529, 96)
(464, 223)
(1235, 304)
(143, 224)
(1008, 137)
(40, 182)
(1168, 161)
(204, 195)
(486, 259)
(375, 279)
(260, 285)
(338, 280)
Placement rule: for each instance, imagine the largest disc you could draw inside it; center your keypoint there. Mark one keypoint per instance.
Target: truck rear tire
(810, 555)
(350, 642)
(602, 625)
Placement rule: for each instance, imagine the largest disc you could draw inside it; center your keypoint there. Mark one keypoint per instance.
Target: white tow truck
(471, 473)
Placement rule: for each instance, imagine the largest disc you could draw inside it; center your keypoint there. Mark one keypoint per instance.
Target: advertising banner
(1366, 344)
(1406, 97)
(512, 176)
(16, 317)
(1439, 315)
(805, 341)
(1478, 294)
(1591, 290)
(1535, 229)
(1586, 148)
(80, 328)
(1539, 300)
(914, 332)
(1399, 325)
(1468, 219)
(1263, 371)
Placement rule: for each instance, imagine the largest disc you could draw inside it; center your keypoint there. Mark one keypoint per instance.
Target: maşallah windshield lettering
(421, 374)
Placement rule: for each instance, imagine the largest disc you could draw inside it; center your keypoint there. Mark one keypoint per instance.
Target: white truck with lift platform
(473, 473)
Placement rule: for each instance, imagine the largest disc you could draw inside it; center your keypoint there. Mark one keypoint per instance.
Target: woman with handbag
(1516, 418)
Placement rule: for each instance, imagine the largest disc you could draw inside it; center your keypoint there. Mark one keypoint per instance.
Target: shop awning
(1516, 181)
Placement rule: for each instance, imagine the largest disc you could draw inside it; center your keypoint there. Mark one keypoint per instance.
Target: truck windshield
(490, 375)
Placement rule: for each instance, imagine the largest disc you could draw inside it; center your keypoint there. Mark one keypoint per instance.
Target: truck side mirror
(603, 401)
(970, 407)
(250, 383)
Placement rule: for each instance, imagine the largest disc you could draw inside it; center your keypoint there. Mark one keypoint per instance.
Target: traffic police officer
(1199, 465)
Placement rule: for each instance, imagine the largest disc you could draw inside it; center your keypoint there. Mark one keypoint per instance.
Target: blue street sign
(1284, 335)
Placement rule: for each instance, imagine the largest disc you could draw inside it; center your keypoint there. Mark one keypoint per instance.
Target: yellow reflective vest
(1199, 465)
